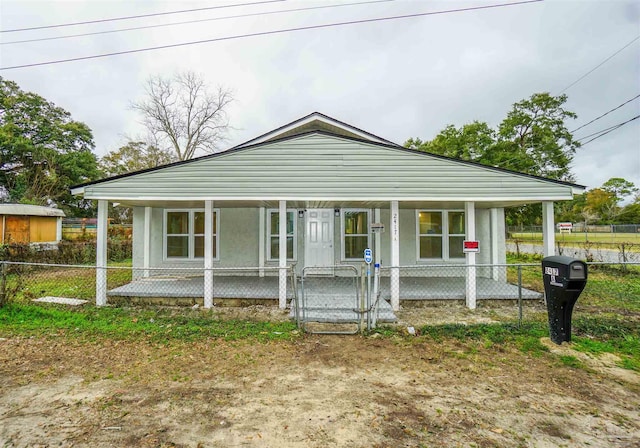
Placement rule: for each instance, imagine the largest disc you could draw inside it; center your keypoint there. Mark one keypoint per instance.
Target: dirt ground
(316, 391)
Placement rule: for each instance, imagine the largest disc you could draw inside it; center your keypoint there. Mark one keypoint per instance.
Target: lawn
(171, 376)
(604, 240)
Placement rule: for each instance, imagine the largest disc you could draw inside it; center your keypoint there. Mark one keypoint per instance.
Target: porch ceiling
(320, 204)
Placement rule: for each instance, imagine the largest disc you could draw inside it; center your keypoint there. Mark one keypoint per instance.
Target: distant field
(605, 238)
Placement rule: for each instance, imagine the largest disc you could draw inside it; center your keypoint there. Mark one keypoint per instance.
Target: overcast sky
(397, 79)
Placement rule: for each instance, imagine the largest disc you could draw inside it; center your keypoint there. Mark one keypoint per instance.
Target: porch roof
(317, 163)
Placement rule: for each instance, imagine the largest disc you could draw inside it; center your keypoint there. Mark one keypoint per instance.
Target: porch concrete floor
(249, 287)
(444, 288)
(224, 287)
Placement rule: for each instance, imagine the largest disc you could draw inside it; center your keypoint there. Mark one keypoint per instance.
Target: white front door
(318, 242)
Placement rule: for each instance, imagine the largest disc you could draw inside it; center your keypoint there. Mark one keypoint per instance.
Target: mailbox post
(564, 280)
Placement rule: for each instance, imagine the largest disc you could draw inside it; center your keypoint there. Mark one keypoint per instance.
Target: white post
(470, 231)
(146, 255)
(493, 218)
(282, 249)
(101, 253)
(261, 244)
(208, 254)
(58, 230)
(395, 255)
(378, 244)
(548, 230)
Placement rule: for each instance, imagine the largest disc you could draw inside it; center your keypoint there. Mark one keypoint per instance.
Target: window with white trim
(273, 234)
(355, 233)
(440, 234)
(184, 234)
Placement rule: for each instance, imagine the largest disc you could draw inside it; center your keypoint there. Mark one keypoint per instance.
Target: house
(30, 224)
(306, 194)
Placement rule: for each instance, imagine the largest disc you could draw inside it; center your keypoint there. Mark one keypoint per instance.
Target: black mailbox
(564, 280)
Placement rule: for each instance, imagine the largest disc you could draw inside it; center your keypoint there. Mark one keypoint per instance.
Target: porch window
(355, 233)
(440, 234)
(184, 234)
(274, 239)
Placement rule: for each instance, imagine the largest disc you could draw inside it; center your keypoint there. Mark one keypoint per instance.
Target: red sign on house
(470, 246)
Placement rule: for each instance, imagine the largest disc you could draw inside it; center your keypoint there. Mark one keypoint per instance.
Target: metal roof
(29, 210)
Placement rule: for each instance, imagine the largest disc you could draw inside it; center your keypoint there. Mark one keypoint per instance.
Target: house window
(184, 235)
(274, 235)
(440, 234)
(355, 233)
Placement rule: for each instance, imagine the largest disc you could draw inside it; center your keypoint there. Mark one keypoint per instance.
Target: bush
(66, 252)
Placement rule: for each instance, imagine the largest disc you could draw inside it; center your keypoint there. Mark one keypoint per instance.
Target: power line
(608, 130)
(596, 133)
(140, 16)
(192, 21)
(606, 113)
(267, 33)
(597, 66)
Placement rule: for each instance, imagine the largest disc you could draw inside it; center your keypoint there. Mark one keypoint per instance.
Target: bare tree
(182, 115)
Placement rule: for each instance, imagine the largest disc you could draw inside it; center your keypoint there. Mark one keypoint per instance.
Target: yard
(167, 377)
(603, 240)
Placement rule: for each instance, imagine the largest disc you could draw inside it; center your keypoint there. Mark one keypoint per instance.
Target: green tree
(471, 141)
(630, 214)
(134, 156)
(571, 211)
(532, 139)
(43, 152)
(620, 188)
(603, 204)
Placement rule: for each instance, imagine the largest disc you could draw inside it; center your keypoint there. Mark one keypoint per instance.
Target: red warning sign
(470, 246)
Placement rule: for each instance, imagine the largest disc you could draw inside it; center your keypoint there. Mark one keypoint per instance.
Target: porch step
(332, 328)
(329, 313)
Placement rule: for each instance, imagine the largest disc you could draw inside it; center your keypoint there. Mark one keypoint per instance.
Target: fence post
(519, 296)
(3, 284)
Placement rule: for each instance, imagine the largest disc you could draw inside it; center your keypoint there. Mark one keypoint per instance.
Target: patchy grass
(27, 282)
(134, 323)
(571, 361)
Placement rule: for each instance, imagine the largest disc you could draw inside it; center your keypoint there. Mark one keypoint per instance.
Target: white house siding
(239, 242)
(321, 167)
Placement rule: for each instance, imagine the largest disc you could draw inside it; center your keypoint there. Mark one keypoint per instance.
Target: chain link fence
(127, 285)
(332, 295)
(580, 227)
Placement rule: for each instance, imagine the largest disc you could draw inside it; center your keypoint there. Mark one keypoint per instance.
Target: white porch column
(101, 253)
(208, 254)
(378, 244)
(261, 237)
(495, 259)
(282, 239)
(395, 255)
(470, 231)
(548, 230)
(146, 255)
(58, 230)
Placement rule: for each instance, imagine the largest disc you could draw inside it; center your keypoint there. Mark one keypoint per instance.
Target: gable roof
(315, 121)
(321, 166)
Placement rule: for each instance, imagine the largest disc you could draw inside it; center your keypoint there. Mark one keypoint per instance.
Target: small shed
(30, 224)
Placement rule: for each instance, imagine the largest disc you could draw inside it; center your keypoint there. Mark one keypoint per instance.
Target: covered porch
(289, 230)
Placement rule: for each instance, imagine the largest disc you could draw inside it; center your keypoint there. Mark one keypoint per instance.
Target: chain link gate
(332, 296)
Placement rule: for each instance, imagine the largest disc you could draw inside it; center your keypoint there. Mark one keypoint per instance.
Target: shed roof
(29, 210)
